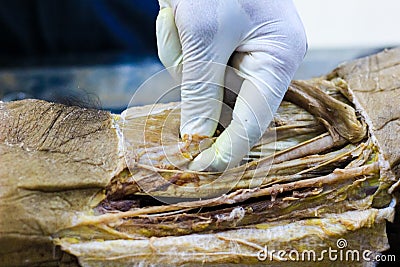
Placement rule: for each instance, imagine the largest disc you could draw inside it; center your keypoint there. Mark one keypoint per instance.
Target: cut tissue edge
(119, 120)
(384, 165)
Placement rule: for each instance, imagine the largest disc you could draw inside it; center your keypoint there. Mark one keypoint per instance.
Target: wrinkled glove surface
(263, 40)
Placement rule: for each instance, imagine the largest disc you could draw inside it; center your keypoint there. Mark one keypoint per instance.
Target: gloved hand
(264, 40)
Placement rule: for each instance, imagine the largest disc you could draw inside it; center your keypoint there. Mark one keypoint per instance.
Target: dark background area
(33, 31)
(88, 52)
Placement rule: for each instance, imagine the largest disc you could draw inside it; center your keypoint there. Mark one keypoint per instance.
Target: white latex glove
(264, 40)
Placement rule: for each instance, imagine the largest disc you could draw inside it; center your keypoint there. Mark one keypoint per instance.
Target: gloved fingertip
(203, 162)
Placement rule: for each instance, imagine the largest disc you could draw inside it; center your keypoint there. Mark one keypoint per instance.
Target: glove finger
(244, 130)
(207, 44)
(203, 161)
(168, 42)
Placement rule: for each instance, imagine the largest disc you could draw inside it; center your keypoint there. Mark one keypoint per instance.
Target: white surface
(350, 23)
